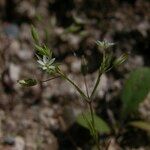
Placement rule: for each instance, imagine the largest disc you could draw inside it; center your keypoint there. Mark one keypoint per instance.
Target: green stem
(96, 84)
(95, 133)
(50, 79)
(86, 86)
(76, 87)
(92, 113)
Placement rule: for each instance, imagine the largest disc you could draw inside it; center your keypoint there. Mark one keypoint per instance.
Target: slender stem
(95, 135)
(89, 101)
(92, 113)
(50, 79)
(96, 84)
(86, 87)
(99, 76)
(77, 88)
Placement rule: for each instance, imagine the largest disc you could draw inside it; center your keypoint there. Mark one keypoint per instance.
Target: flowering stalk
(47, 63)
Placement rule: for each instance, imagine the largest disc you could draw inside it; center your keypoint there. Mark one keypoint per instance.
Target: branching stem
(76, 86)
(95, 133)
(50, 79)
(96, 84)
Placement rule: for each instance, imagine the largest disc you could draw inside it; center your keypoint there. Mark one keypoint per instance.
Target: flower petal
(51, 61)
(44, 68)
(41, 62)
(52, 67)
(45, 59)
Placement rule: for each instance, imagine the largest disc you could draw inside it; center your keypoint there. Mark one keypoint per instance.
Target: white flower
(47, 63)
(104, 44)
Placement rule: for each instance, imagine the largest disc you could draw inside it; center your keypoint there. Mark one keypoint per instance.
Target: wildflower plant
(48, 64)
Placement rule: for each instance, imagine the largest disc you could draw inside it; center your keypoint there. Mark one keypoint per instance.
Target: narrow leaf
(121, 59)
(141, 125)
(35, 35)
(41, 50)
(100, 125)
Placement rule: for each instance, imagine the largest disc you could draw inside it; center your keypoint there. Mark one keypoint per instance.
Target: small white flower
(104, 44)
(47, 63)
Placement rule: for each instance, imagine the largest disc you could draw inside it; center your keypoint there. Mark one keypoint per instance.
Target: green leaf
(121, 59)
(27, 82)
(43, 50)
(39, 50)
(136, 88)
(141, 125)
(35, 35)
(47, 51)
(72, 29)
(100, 125)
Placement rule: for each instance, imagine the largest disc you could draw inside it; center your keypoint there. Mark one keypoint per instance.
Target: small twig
(93, 125)
(96, 84)
(92, 113)
(50, 79)
(86, 87)
(75, 85)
